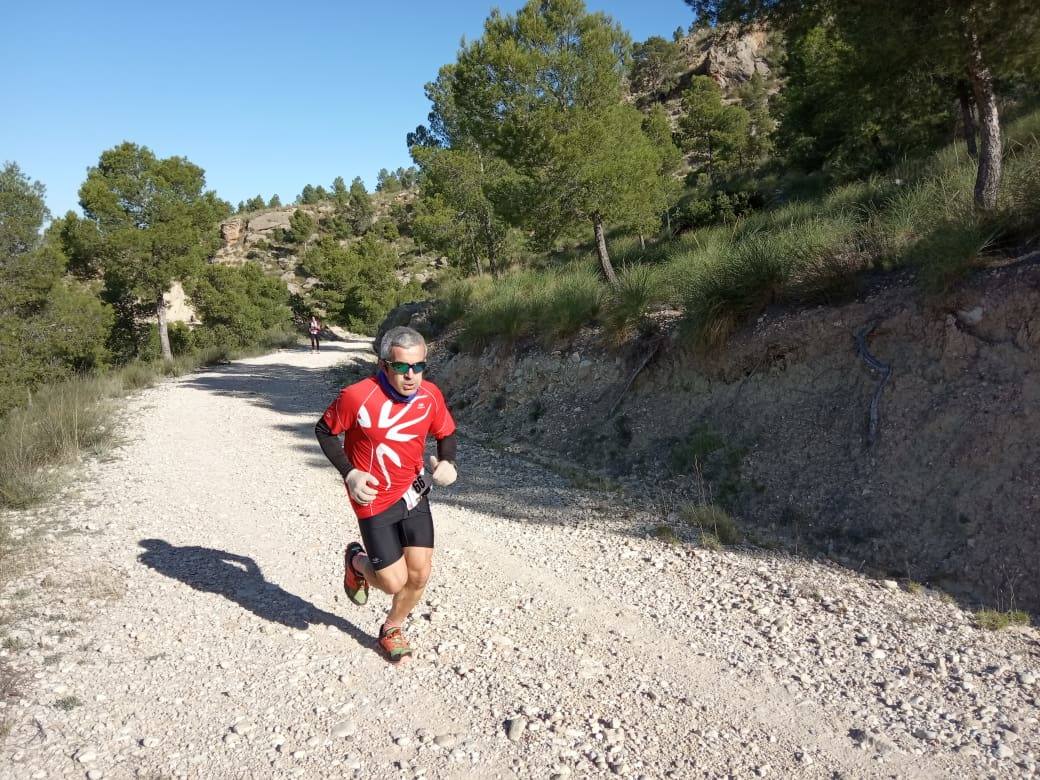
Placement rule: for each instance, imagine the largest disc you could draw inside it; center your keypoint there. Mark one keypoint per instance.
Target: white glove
(443, 471)
(360, 486)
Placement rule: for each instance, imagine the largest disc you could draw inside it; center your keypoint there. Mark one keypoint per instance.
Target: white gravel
(196, 618)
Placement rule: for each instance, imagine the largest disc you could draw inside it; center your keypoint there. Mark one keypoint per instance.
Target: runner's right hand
(361, 486)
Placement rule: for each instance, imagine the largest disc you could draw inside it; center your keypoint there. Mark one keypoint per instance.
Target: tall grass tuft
(639, 287)
(572, 301)
(747, 278)
(950, 251)
(549, 304)
(790, 264)
(453, 297)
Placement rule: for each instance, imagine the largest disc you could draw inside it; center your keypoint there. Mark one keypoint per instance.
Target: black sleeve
(447, 448)
(332, 447)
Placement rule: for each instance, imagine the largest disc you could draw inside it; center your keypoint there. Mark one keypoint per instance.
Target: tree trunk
(970, 129)
(164, 332)
(642, 242)
(601, 250)
(489, 242)
(987, 182)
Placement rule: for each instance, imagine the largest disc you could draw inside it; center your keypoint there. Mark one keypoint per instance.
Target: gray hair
(400, 336)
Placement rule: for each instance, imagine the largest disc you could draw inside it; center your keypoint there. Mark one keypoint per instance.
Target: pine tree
(155, 220)
(715, 133)
(359, 206)
(542, 90)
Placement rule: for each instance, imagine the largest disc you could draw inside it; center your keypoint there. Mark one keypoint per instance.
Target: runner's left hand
(443, 471)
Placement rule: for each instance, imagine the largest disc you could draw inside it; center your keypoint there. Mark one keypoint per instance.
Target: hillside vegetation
(809, 250)
(811, 158)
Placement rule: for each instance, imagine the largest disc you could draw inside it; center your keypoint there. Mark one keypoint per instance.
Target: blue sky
(265, 96)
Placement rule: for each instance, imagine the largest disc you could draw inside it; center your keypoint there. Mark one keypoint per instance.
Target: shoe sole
(359, 596)
(401, 657)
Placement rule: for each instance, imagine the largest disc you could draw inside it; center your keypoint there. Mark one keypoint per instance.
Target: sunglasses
(402, 368)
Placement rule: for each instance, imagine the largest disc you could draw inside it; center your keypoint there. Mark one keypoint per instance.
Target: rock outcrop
(231, 232)
(730, 58)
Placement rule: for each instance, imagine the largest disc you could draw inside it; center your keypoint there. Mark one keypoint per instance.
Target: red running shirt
(387, 438)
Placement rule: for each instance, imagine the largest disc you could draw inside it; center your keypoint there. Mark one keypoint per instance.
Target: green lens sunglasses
(402, 368)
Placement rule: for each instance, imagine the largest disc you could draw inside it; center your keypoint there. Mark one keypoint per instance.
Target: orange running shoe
(393, 642)
(353, 583)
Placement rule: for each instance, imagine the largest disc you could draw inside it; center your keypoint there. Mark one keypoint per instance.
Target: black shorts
(387, 534)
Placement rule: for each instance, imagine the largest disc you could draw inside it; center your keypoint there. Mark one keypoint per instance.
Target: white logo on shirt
(394, 432)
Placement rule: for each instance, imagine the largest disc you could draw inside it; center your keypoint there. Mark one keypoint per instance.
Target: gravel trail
(194, 625)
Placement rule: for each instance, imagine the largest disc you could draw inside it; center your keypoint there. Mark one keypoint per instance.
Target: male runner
(386, 419)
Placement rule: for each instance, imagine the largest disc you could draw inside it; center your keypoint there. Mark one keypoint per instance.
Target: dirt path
(194, 626)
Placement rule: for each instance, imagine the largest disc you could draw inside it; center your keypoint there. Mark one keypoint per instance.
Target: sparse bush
(712, 520)
(14, 644)
(540, 303)
(665, 534)
(759, 269)
(503, 316)
(66, 703)
(949, 251)
(710, 541)
(810, 249)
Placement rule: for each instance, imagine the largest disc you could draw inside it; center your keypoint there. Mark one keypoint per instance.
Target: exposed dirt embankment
(948, 493)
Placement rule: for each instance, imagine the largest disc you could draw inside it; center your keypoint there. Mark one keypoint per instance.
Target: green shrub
(710, 541)
(301, 226)
(994, 620)
(692, 452)
(720, 294)
(505, 316)
(1020, 204)
(237, 306)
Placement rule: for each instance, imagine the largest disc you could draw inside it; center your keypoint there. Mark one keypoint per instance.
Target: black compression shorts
(387, 534)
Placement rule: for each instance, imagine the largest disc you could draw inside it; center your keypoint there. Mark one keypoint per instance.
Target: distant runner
(315, 331)
(386, 419)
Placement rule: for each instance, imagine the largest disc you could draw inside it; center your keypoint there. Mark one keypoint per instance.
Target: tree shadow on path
(238, 579)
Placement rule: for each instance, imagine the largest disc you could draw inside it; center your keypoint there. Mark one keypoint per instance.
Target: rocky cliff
(728, 56)
(776, 427)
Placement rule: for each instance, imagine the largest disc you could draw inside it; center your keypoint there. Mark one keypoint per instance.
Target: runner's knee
(418, 577)
(391, 580)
